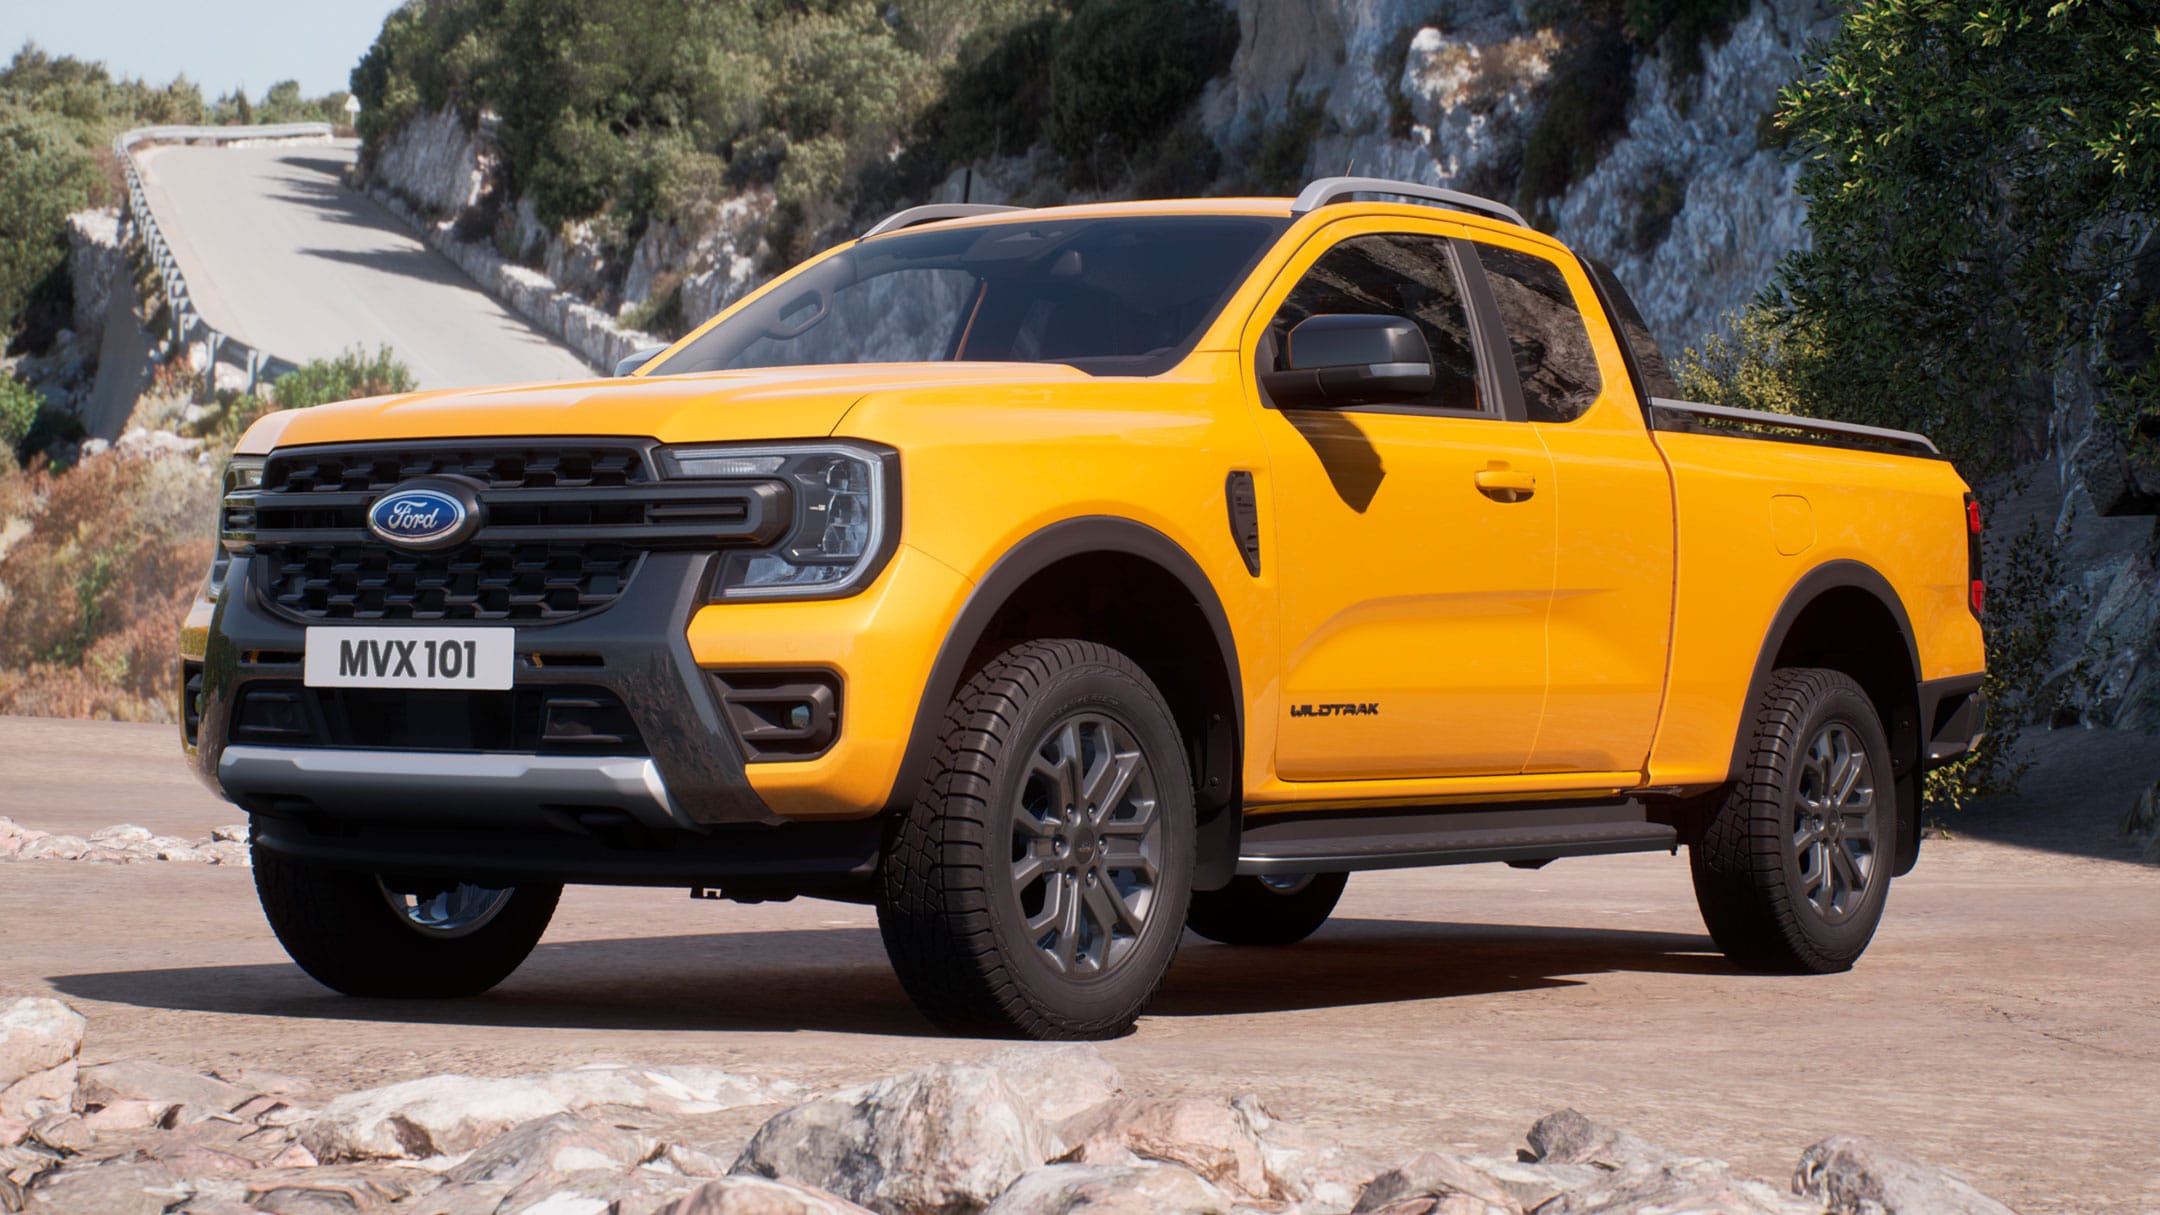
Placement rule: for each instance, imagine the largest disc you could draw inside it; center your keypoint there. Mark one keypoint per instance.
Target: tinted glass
(1649, 356)
(1108, 296)
(1553, 359)
(1398, 275)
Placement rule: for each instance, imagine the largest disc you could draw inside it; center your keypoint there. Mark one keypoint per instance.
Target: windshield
(1123, 296)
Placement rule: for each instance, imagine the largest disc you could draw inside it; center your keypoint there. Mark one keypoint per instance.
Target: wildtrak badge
(1353, 710)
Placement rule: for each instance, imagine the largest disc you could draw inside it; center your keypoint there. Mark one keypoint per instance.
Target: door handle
(1505, 484)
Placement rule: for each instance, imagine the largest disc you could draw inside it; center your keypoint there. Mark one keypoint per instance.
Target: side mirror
(1351, 359)
(637, 359)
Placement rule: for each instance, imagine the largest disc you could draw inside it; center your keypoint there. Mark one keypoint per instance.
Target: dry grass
(97, 568)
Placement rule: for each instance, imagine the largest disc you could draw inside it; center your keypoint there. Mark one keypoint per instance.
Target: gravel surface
(2006, 1022)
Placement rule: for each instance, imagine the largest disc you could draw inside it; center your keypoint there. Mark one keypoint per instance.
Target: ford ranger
(1056, 580)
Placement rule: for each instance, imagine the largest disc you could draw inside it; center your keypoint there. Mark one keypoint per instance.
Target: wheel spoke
(1068, 925)
(1111, 913)
(1848, 868)
(1858, 826)
(1805, 837)
(1106, 788)
(1141, 822)
(1053, 906)
(1029, 870)
(1124, 857)
(1851, 767)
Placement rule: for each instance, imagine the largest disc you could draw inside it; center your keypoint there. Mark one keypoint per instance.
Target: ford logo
(424, 517)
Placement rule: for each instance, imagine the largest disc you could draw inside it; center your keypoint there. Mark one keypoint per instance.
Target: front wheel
(1794, 865)
(363, 934)
(1266, 910)
(1039, 883)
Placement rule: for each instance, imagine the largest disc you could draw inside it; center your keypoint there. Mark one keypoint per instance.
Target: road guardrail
(188, 324)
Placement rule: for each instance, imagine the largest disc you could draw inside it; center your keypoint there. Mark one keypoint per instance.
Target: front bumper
(685, 812)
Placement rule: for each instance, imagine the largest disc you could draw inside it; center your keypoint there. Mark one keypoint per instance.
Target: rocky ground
(1028, 1130)
(2005, 1024)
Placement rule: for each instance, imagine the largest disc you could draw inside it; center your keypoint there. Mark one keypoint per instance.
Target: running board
(1339, 842)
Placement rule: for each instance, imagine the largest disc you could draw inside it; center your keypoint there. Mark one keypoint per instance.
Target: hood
(774, 403)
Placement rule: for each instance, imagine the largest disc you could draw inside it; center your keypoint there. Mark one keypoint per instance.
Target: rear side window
(1412, 277)
(1553, 358)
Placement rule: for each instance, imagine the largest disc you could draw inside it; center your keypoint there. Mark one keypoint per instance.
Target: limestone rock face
(436, 161)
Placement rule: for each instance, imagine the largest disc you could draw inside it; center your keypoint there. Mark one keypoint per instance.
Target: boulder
(1064, 1084)
(443, 1115)
(1108, 1189)
(326, 1190)
(1852, 1176)
(1432, 1176)
(1568, 1137)
(948, 1138)
(113, 1188)
(1665, 1191)
(136, 1080)
(1237, 1145)
(561, 1143)
(39, 1042)
(742, 1195)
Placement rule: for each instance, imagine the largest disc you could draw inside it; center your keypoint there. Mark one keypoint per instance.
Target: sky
(219, 44)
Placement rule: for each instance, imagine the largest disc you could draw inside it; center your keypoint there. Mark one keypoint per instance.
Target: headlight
(236, 517)
(845, 497)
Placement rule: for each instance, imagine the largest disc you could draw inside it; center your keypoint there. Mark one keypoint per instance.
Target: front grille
(540, 583)
(565, 525)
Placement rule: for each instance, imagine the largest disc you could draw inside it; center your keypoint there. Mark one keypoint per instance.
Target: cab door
(1417, 538)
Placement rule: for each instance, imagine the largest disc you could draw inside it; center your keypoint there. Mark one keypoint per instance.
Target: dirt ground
(2006, 1022)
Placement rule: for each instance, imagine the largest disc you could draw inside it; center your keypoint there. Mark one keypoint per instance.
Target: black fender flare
(1840, 574)
(1068, 538)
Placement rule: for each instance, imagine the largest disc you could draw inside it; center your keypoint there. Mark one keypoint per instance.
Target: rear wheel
(1039, 883)
(1794, 865)
(1274, 910)
(365, 934)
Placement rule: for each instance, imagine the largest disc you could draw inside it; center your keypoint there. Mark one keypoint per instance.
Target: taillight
(1976, 594)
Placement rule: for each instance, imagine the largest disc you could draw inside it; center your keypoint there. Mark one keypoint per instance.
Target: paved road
(278, 252)
(2006, 1022)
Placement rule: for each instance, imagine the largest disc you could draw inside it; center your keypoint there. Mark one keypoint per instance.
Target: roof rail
(930, 213)
(1339, 189)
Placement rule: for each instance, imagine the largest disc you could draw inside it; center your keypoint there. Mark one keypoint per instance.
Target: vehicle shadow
(836, 980)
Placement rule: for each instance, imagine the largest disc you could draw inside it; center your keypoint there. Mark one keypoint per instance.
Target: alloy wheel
(1087, 843)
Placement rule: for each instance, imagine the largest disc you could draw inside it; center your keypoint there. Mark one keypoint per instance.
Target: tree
(44, 175)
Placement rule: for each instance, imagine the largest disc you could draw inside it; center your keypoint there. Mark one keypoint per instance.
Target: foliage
(19, 405)
(1123, 71)
(1969, 167)
(101, 565)
(1582, 110)
(282, 103)
(1678, 28)
(349, 376)
(57, 120)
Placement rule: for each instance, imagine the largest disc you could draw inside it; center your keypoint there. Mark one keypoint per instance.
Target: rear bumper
(1955, 711)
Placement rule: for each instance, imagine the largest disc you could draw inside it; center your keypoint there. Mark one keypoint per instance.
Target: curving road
(2006, 1022)
(278, 252)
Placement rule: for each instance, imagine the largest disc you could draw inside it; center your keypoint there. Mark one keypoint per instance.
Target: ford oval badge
(420, 518)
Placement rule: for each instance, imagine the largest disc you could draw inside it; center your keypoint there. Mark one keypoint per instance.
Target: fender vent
(1244, 518)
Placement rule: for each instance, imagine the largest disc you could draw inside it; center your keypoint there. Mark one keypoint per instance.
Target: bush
(349, 376)
(44, 175)
(19, 405)
(92, 594)
(1124, 71)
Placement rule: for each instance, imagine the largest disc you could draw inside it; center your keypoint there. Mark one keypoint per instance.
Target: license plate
(417, 656)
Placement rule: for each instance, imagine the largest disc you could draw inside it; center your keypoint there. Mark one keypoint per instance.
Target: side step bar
(1340, 842)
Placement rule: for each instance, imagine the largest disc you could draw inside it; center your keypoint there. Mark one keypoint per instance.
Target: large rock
(114, 1188)
(1569, 1137)
(442, 1115)
(105, 1084)
(1851, 1176)
(1668, 1191)
(1109, 1189)
(562, 1143)
(948, 1138)
(1433, 1176)
(759, 1196)
(39, 1042)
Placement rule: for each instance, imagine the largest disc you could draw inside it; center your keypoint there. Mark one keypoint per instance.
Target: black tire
(1257, 911)
(987, 847)
(341, 928)
(1790, 874)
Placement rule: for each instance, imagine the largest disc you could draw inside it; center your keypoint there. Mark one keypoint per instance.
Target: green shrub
(351, 375)
(44, 175)
(1122, 72)
(996, 93)
(19, 405)
(1584, 105)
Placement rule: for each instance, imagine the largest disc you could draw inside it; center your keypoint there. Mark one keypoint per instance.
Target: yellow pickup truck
(1057, 580)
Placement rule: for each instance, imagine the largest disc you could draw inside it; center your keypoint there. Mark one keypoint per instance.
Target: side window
(1553, 358)
(1398, 275)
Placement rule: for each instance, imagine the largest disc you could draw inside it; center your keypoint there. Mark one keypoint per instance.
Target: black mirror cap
(1352, 359)
(631, 362)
